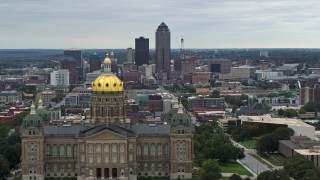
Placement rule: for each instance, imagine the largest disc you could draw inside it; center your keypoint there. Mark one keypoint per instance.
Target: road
(251, 162)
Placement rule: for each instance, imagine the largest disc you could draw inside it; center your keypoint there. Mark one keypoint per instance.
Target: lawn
(234, 167)
(250, 144)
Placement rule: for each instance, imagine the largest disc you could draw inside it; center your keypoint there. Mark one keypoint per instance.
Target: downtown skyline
(116, 24)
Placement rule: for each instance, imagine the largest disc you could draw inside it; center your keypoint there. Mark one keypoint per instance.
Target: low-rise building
(206, 102)
(10, 96)
(299, 127)
(47, 95)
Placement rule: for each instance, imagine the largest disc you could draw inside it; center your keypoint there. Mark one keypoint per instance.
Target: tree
(274, 175)
(297, 166)
(210, 170)
(63, 110)
(4, 166)
(235, 177)
(215, 94)
(292, 86)
(245, 83)
(290, 113)
(20, 117)
(283, 133)
(267, 143)
(312, 174)
(280, 112)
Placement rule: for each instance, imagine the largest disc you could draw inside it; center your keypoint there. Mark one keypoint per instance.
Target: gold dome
(107, 60)
(107, 83)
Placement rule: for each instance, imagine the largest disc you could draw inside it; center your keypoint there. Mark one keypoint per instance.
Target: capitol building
(108, 147)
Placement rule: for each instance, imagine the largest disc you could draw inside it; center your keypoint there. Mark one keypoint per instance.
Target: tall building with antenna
(163, 48)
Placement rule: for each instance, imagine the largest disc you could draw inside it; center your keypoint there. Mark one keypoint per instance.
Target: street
(250, 161)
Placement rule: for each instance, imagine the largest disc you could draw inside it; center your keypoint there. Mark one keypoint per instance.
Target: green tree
(312, 174)
(20, 117)
(4, 167)
(283, 133)
(215, 94)
(273, 175)
(63, 110)
(290, 113)
(245, 83)
(280, 112)
(235, 177)
(297, 166)
(267, 143)
(210, 170)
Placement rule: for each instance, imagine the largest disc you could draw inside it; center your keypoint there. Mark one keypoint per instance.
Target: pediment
(106, 134)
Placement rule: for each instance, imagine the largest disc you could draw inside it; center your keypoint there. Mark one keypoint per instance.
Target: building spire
(107, 64)
(33, 108)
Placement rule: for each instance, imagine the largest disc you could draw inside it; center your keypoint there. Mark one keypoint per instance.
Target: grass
(234, 167)
(250, 144)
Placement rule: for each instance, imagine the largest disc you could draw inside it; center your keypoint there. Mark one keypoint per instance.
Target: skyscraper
(130, 55)
(72, 60)
(95, 62)
(142, 51)
(163, 48)
(74, 54)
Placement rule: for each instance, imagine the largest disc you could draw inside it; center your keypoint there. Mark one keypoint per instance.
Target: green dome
(43, 113)
(178, 117)
(32, 120)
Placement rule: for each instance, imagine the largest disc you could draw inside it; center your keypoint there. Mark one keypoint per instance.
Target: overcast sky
(202, 23)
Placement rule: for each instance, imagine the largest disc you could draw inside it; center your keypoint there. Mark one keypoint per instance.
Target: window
(69, 166)
(90, 148)
(122, 148)
(122, 159)
(166, 150)
(98, 148)
(90, 172)
(160, 150)
(114, 157)
(68, 150)
(82, 147)
(83, 159)
(75, 150)
(98, 157)
(61, 151)
(90, 157)
(106, 153)
(153, 150)
(130, 146)
(138, 150)
(130, 157)
(55, 150)
(114, 148)
(145, 150)
(48, 150)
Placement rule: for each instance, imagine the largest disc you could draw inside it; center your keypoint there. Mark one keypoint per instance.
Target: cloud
(115, 24)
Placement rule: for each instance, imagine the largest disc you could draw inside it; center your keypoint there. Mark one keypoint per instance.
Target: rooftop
(270, 120)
